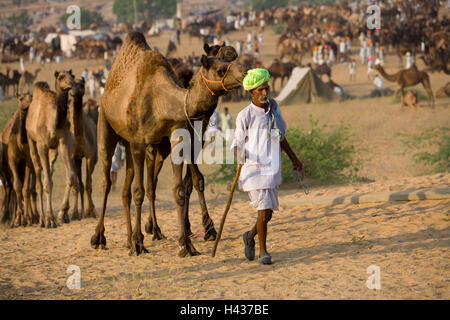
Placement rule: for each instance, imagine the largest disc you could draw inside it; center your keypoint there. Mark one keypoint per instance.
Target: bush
(432, 148)
(327, 157)
(278, 29)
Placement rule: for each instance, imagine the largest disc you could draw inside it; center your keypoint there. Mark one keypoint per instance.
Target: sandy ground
(319, 252)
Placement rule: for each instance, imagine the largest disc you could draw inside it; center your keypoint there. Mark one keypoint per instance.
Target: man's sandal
(249, 247)
(265, 258)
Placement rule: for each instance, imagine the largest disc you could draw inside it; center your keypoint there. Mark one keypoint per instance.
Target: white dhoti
(263, 199)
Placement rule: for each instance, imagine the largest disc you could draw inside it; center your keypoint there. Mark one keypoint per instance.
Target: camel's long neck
(388, 77)
(200, 100)
(22, 131)
(77, 117)
(61, 104)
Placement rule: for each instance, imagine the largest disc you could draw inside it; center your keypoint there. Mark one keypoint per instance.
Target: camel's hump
(135, 40)
(41, 85)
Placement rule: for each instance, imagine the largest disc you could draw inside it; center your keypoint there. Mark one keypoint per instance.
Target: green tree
(19, 22)
(87, 17)
(145, 9)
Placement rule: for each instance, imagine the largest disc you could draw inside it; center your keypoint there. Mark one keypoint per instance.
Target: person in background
(370, 70)
(117, 163)
(352, 67)
(378, 82)
(213, 126)
(409, 60)
(85, 75)
(226, 123)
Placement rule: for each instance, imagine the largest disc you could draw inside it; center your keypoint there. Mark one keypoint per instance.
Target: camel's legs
(53, 155)
(38, 173)
(17, 186)
(199, 184)
(66, 150)
(33, 194)
(90, 166)
(138, 156)
(75, 214)
(427, 86)
(154, 164)
(163, 153)
(107, 140)
(187, 185)
(48, 185)
(126, 193)
(180, 197)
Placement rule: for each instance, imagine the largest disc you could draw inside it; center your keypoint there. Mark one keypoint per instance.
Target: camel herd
(143, 103)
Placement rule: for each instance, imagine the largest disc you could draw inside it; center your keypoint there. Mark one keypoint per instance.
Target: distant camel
(27, 79)
(48, 129)
(20, 164)
(280, 70)
(407, 78)
(84, 131)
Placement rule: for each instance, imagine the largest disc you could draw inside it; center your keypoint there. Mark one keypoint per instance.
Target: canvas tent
(304, 86)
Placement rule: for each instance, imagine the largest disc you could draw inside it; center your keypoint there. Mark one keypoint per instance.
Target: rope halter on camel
(205, 81)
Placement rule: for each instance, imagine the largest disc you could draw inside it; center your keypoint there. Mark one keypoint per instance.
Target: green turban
(255, 78)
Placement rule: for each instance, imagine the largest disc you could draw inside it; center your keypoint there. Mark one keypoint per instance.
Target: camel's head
(78, 88)
(227, 53)
(220, 76)
(24, 100)
(378, 67)
(64, 80)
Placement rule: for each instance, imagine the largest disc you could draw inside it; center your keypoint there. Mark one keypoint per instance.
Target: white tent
(304, 86)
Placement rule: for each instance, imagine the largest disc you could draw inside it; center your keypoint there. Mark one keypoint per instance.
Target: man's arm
(296, 163)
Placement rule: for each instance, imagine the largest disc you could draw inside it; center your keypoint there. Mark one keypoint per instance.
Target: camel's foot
(137, 244)
(98, 240)
(42, 222)
(150, 228)
(63, 217)
(76, 215)
(50, 221)
(210, 235)
(187, 248)
(28, 221)
(90, 213)
(18, 220)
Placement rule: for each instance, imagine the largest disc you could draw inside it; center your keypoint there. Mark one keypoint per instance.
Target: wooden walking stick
(227, 208)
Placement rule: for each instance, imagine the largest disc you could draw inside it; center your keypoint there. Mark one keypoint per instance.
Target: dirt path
(319, 252)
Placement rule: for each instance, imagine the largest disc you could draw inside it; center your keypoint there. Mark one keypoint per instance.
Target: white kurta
(262, 166)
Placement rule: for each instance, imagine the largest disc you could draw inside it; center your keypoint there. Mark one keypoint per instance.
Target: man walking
(260, 133)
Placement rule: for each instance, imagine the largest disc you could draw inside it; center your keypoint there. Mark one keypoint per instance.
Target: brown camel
(27, 79)
(228, 54)
(143, 105)
(90, 108)
(48, 129)
(280, 70)
(84, 132)
(444, 92)
(407, 78)
(20, 164)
